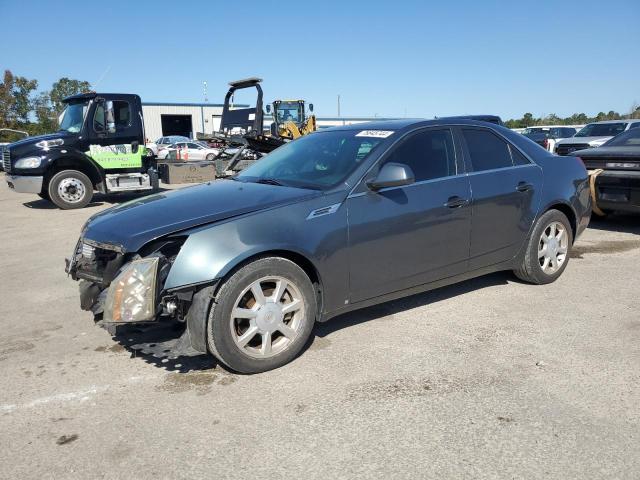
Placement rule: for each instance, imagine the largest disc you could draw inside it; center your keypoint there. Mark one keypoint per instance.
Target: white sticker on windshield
(375, 133)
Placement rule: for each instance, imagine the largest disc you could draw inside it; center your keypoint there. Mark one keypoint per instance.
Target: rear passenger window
(518, 158)
(429, 153)
(486, 150)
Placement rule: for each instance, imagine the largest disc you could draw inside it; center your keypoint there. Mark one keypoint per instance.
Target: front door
(119, 149)
(401, 237)
(506, 191)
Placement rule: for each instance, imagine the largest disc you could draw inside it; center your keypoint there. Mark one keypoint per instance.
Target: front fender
(212, 251)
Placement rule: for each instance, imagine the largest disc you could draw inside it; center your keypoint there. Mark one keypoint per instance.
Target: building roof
(180, 104)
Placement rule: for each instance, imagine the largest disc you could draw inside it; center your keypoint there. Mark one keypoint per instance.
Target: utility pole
(204, 91)
(338, 106)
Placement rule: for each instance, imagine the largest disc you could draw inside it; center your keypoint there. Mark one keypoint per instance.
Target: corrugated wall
(153, 118)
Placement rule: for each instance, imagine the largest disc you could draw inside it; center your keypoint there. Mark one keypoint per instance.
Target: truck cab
(99, 147)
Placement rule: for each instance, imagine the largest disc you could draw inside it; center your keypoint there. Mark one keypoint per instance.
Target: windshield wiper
(270, 181)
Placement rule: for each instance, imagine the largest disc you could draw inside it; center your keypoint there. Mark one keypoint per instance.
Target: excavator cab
(290, 119)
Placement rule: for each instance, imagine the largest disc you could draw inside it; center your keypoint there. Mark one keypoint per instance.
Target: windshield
(318, 161)
(72, 117)
(287, 112)
(630, 138)
(601, 130)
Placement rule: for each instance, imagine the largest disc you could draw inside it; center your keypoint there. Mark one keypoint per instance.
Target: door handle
(524, 187)
(456, 202)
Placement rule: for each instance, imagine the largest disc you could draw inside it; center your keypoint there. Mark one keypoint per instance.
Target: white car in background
(593, 135)
(165, 142)
(187, 151)
(548, 135)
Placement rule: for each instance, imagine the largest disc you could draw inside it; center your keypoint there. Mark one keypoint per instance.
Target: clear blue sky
(390, 58)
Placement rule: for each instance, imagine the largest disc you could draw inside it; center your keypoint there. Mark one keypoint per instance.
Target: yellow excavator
(290, 119)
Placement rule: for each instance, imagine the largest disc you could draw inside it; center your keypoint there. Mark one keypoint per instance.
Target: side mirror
(311, 107)
(268, 108)
(392, 175)
(110, 117)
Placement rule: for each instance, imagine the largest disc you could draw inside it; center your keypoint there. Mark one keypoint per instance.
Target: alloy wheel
(553, 248)
(267, 317)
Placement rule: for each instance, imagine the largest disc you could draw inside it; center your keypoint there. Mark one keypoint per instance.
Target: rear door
(400, 237)
(506, 190)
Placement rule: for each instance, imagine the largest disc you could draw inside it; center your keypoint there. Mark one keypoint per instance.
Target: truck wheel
(262, 316)
(70, 189)
(547, 250)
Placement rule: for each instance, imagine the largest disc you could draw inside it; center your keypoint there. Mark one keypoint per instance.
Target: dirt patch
(115, 348)
(605, 247)
(505, 419)
(64, 439)
(200, 382)
(417, 387)
(13, 346)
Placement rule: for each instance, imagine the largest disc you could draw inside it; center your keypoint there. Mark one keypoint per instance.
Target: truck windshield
(317, 161)
(72, 117)
(287, 112)
(602, 130)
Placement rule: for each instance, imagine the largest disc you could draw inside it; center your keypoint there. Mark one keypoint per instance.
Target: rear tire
(70, 189)
(255, 332)
(547, 249)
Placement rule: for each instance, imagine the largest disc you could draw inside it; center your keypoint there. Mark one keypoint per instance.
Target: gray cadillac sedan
(335, 221)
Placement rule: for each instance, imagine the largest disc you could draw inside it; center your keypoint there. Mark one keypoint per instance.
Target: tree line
(528, 120)
(24, 107)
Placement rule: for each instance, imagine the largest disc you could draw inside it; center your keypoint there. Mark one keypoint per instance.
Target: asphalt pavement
(490, 378)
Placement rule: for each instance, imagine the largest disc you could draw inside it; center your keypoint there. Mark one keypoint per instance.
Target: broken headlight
(132, 294)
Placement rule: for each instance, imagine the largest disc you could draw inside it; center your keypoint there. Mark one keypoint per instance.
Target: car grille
(567, 148)
(6, 159)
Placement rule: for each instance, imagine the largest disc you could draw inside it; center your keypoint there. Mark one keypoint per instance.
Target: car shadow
(159, 343)
(351, 319)
(616, 222)
(98, 199)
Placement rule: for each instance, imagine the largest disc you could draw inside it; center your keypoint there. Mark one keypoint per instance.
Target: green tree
(63, 88)
(6, 100)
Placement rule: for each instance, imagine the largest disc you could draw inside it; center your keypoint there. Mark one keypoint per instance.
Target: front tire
(547, 250)
(70, 189)
(211, 156)
(262, 317)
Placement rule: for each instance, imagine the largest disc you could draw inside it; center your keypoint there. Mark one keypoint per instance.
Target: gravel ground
(491, 378)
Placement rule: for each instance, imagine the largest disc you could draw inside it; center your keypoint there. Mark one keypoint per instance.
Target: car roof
(624, 120)
(410, 123)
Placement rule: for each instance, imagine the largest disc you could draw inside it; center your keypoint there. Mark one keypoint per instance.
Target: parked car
(495, 119)
(547, 136)
(188, 150)
(617, 186)
(164, 142)
(594, 135)
(338, 220)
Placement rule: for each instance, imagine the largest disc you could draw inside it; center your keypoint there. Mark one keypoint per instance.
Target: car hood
(589, 140)
(132, 224)
(609, 152)
(28, 144)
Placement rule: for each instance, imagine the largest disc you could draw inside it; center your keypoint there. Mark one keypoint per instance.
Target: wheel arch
(569, 212)
(301, 260)
(75, 163)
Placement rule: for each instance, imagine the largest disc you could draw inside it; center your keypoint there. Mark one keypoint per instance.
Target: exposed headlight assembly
(132, 294)
(47, 144)
(28, 162)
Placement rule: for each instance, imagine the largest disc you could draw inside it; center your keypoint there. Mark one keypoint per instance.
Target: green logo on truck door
(116, 156)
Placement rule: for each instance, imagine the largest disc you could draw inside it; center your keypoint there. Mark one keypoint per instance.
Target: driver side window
(429, 153)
